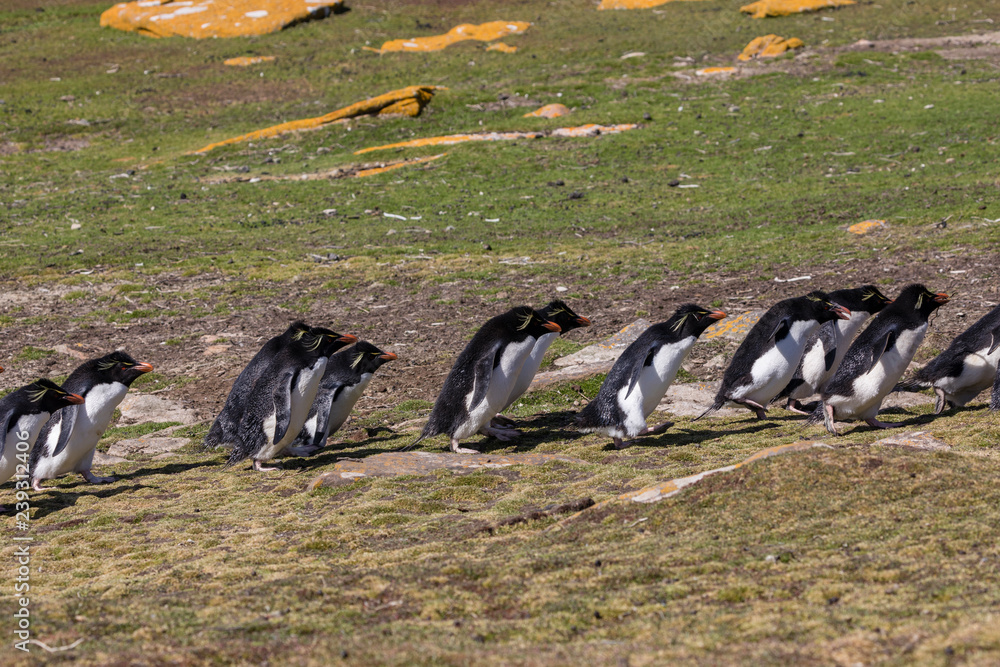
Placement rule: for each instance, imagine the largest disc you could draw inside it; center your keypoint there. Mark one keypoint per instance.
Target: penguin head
(118, 367)
(824, 310)
(47, 396)
(557, 311)
(366, 358)
(327, 342)
(526, 322)
(919, 298)
(867, 298)
(691, 320)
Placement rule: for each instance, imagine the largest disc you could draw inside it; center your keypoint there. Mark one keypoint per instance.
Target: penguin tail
(818, 415)
(425, 434)
(719, 402)
(911, 385)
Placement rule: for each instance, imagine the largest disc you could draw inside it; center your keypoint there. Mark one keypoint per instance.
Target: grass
(858, 554)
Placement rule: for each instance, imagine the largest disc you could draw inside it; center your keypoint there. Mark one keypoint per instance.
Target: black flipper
(881, 348)
(67, 419)
(996, 341)
(282, 398)
(637, 371)
(781, 331)
(7, 420)
(322, 407)
(483, 373)
(995, 396)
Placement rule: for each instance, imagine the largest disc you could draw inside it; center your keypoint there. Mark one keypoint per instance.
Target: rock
(690, 400)
(74, 352)
(915, 440)
(102, 459)
(216, 349)
(392, 464)
(142, 408)
(608, 349)
(734, 328)
(147, 444)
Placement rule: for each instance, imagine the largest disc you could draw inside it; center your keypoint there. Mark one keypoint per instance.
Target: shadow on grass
(62, 499)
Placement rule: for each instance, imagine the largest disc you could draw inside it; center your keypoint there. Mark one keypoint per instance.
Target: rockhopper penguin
(641, 375)
(556, 311)
(966, 368)
(877, 359)
(827, 345)
(68, 440)
(279, 401)
(22, 414)
(766, 359)
(225, 426)
(345, 379)
(482, 378)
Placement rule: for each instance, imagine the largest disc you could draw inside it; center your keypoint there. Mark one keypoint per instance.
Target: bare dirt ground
(426, 334)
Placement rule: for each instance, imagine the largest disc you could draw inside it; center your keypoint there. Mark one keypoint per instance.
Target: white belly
(978, 373)
(501, 381)
(530, 368)
(872, 387)
(654, 380)
(303, 394)
(92, 420)
(340, 409)
(28, 425)
(772, 371)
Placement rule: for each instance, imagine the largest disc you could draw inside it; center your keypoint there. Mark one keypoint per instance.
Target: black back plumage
(772, 327)
(40, 396)
(270, 394)
(115, 367)
(226, 425)
(910, 310)
(985, 333)
(344, 370)
(479, 357)
(867, 298)
(604, 410)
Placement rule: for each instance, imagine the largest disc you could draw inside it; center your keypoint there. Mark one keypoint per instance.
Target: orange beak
(74, 399)
(717, 315)
(582, 321)
(144, 368)
(941, 297)
(552, 326)
(388, 356)
(347, 338)
(841, 312)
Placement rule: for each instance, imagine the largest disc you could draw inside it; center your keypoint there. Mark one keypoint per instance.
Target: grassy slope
(879, 554)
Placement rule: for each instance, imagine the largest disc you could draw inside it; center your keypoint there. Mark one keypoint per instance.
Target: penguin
(225, 426)
(23, 412)
(276, 408)
(556, 311)
(966, 368)
(825, 348)
(995, 394)
(68, 440)
(766, 359)
(345, 379)
(641, 375)
(481, 379)
(877, 359)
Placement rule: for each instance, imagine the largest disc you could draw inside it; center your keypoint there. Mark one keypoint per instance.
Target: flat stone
(142, 408)
(216, 349)
(147, 444)
(102, 459)
(392, 464)
(75, 352)
(733, 328)
(608, 349)
(915, 440)
(691, 399)
(570, 373)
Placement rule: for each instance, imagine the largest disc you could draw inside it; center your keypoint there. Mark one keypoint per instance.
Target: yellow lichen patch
(733, 327)
(447, 140)
(502, 48)
(246, 61)
(548, 111)
(631, 4)
(486, 32)
(764, 8)
(409, 101)
(769, 46)
(213, 18)
(709, 71)
(866, 226)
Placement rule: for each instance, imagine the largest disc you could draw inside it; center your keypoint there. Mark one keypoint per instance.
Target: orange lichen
(409, 101)
(486, 32)
(631, 4)
(396, 165)
(502, 48)
(246, 61)
(769, 46)
(548, 111)
(213, 18)
(447, 140)
(764, 8)
(733, 327)
(708, 71)
(866, 226)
